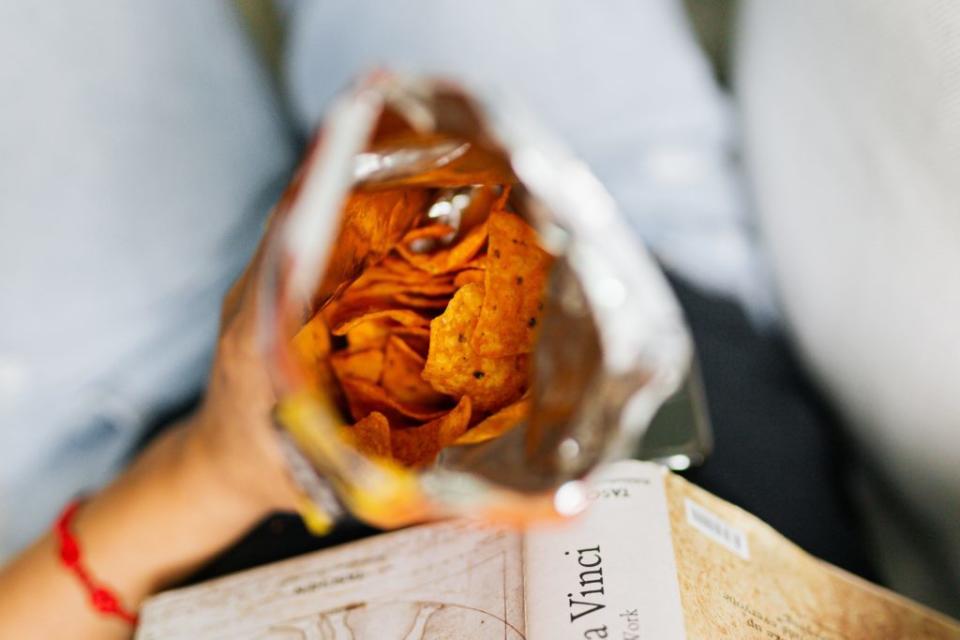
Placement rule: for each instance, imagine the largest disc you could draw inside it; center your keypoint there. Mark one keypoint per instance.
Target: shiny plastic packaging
(612, 345)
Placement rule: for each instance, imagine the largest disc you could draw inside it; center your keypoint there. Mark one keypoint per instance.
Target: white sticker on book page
(717, 529)
(609, 573)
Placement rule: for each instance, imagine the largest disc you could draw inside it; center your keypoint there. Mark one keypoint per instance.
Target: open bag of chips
(457, 319)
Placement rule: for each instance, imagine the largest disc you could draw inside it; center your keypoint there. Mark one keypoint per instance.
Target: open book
(654, 558)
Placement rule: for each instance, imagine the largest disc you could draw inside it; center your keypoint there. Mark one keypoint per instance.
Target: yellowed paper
(654, 558)
(741, 579)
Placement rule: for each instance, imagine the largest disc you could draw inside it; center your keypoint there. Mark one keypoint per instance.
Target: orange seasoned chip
(430, 232)
(414, 385)
(312, 341)
(419, 446)
(372, 222)
(371, 435)
(386, 290)
(454, 368)
(368, 335)
(417, 338)
(469, 275)
(433, 287)
(409, 276)
(393, 296)
(516, 276)
(386, 296)
(311, 347)
(399, 266)
(454, 424)
(498, 424)
(374, 334)
(364, 396)
(364, 365)
(404, 317)
(449, 259)
(420, 302)
(344, 311)
(377, 290)
(480, 262)
(402, 367)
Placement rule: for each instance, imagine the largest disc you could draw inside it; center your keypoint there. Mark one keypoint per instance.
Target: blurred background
(792, 165)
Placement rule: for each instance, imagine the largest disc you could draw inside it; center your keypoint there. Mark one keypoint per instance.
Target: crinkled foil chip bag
(456, 319)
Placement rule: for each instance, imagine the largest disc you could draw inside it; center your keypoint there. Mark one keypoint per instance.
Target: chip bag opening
(427, 358)
(457, 320)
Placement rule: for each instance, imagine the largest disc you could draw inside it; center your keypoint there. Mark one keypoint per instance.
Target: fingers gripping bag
(456, 317)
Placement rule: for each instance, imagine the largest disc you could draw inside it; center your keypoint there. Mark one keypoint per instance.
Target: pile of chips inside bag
(428, 339)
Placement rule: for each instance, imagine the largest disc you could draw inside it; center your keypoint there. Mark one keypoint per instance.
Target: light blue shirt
(139, 142)
(140, 149)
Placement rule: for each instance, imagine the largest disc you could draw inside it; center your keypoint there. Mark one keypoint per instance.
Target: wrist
(160, 520)
(220, 473)
(244, 466)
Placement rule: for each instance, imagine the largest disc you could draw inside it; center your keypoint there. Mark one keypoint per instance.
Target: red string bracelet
(101, 597)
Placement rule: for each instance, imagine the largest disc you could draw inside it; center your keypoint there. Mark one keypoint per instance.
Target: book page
(434, 582)
(610, 573)
(741, 579)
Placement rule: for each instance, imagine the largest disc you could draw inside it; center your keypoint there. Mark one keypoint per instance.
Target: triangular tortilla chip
(364, 396)
(365, 364)
(450, 259)
(516, 276)
(497, 424)
(419, 446)
(402, 369)
(454, 368)
(371, 435)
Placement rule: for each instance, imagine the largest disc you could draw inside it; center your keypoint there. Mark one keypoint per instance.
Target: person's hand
(197, 488)
(232, 429)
